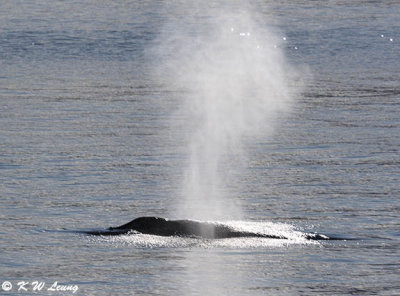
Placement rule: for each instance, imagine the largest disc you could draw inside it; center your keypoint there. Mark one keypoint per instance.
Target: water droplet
(391, 39)
(284, 38)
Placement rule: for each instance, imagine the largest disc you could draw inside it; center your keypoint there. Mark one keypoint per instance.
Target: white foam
(294, 237)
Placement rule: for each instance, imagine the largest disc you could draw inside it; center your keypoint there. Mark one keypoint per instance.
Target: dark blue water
(89, 138)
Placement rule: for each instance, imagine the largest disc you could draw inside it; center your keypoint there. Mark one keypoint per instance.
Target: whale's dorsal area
(187, 228)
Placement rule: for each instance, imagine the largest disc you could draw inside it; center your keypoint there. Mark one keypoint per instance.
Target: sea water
(92, 135)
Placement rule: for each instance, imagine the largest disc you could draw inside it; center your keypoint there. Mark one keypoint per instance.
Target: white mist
(234, 83)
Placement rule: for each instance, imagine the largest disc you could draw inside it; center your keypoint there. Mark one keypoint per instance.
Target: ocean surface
(90, 138)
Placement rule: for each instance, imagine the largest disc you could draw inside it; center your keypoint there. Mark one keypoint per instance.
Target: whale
(188, 228)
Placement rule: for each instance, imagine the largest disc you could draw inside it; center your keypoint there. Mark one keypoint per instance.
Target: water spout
(235, 86)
